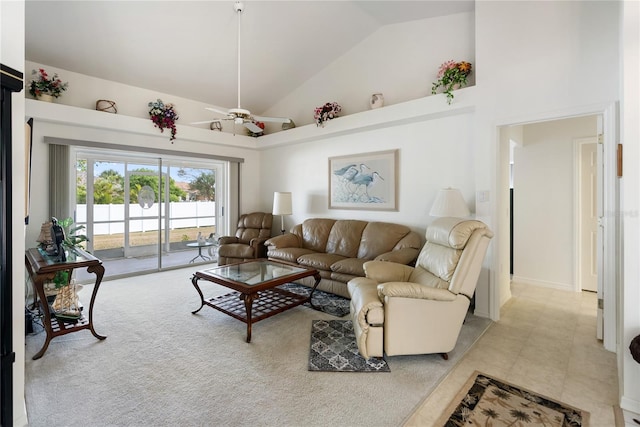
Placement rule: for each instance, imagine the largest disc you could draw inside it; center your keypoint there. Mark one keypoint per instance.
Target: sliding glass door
(141, 213)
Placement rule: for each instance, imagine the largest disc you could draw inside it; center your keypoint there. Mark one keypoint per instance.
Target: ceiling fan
(241, 116)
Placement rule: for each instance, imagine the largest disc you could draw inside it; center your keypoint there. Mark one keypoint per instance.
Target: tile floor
(545, 342)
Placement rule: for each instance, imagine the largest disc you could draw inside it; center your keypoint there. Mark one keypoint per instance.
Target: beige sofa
(338, 249)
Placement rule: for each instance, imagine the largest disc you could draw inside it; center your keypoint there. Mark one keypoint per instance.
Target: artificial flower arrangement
(328, 111)
(451, 75)
(42, 84)
(164, 117)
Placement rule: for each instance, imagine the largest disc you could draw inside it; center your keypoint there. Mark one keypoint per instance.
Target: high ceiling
(189, 48)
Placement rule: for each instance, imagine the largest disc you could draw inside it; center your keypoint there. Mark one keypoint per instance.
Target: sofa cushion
(351, 266)
(344, 238)
(289, 254)
(315, 233)
(439, 260)
(254, 225)
(422, 276)
(319, 261)
(344, 278)
(452, 232)
(236, 250)
(446, 238)
(380, 237)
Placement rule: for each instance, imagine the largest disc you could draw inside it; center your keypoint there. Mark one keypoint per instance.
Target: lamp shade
(449, 202)
(282, 203)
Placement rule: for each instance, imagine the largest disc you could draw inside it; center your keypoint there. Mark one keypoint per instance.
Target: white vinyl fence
(109, 219)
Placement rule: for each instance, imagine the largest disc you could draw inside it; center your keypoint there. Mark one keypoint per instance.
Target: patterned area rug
(334, 349)
(324, 301)
(484, 400)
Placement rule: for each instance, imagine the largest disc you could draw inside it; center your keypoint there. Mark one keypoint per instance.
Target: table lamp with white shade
(282, 206)
(449, 202)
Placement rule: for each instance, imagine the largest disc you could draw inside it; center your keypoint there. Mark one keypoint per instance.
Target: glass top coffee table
(256, 295)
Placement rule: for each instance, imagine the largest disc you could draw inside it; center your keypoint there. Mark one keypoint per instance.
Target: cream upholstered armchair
(399, 309)
(248, 243)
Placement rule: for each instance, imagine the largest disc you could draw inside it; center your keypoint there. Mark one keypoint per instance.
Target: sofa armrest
(283, 241)
(401, 256)
(225, 240)
(383, 271)
(414, 290)
(367, 311)
(257, 242)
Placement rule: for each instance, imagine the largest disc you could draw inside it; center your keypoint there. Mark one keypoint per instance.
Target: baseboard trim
(543, 283)
(630, 405)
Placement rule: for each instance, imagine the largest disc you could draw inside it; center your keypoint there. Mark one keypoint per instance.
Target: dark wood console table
(42, 268)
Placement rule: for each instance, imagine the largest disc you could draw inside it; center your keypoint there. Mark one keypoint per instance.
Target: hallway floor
(546, 342)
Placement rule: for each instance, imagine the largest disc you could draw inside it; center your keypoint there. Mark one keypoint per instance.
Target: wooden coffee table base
(251, 308)
(250, 304)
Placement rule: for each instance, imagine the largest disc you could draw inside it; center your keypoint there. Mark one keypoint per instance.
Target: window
(141, 210)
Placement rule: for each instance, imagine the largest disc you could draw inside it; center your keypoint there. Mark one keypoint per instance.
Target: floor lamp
(449, 202)
(282, 206)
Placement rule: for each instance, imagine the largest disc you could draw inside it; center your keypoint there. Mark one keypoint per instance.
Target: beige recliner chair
(248, 243)
(398, 309)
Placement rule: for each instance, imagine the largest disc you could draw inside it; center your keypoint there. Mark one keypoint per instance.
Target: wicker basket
(106, 106)
(635, 348)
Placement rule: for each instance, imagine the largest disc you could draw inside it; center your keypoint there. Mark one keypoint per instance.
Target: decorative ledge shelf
(422, 109)
(417, 110)
(84, 117)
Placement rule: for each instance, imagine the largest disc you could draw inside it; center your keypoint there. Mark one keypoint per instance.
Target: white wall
(536, 57)
(544, 217)
(12, 55)
(432, 155)
(630, 138)
(83, 91)
(401, 61)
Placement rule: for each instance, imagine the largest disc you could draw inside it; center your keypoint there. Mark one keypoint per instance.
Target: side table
(41, 269)
(200, 246)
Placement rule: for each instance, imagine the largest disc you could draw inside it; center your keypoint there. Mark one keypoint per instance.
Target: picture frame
(364, 181)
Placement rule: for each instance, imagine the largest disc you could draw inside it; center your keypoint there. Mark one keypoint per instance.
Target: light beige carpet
(485, 401)
(163, 366)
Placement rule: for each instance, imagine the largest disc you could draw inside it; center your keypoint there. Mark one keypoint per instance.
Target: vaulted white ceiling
(189, 48)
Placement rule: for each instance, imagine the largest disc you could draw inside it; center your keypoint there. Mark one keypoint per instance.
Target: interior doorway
(588, 210)
(606, 123)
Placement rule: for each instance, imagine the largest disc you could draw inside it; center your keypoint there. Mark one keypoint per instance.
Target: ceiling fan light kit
(239, 115)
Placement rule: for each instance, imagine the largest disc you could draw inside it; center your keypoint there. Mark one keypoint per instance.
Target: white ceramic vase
(377, 101)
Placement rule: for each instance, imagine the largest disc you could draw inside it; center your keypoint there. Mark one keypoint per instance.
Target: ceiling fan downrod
(238, 7)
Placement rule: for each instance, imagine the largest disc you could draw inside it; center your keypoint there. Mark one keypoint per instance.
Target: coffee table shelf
(270, 302)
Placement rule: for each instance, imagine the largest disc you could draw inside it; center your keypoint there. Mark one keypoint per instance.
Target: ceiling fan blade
(215, 110)
(206, 121)
(272, 119)
(253, 127)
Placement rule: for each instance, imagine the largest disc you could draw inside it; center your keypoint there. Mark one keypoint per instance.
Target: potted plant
(44, 87)
(451, 75)
(328, 111)
(66, 304)
(163, 117)
(71, 236)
